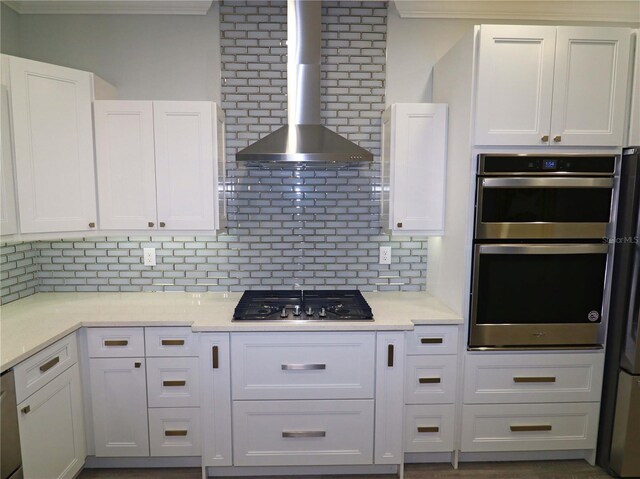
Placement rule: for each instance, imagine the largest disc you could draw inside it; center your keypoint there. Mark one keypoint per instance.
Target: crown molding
(610, 11)
(131, 7)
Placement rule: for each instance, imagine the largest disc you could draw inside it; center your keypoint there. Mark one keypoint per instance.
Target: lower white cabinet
(174, 431)
(119, 400)
(173, 382)
(429, 427)
(52, 428)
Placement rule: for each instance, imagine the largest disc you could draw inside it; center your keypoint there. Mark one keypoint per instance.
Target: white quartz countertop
(31, 324)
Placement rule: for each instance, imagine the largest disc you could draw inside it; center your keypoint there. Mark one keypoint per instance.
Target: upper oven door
(543, 207)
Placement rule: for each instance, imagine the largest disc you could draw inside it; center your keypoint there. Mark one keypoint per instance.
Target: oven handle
(547, 182)
(543, 248)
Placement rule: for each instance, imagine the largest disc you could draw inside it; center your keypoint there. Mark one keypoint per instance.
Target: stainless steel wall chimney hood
(303, 140)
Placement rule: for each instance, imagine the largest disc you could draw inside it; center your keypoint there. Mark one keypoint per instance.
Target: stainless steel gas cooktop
(313, 305)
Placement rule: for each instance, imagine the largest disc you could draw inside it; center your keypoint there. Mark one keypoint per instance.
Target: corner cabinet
(8, 216)
(544, 85)
(414, 139)
(160, 165)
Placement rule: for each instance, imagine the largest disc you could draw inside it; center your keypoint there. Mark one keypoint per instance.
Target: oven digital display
(549, 164)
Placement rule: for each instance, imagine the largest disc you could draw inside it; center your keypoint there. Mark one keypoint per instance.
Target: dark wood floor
(478, 470)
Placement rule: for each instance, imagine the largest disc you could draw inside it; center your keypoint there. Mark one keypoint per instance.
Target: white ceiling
(155, 7)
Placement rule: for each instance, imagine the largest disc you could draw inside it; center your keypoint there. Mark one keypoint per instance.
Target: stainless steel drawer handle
(304, 433)
(215, 362)
(429, 380)
(176, 432)
(534, 379)
(303, 367)
(173, 342)
(428, 429)
(116, 342)
(431, 340)
(49, 364)
(531, 427)
(174, 383)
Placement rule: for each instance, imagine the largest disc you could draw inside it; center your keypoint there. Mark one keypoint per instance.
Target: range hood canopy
(303, 140)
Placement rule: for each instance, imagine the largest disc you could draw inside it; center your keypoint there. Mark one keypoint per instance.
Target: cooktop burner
(313, 305)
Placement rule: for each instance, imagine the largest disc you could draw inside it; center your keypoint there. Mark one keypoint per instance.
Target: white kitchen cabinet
(52, 428)
(119, 402)
(542, 85)
(389, 404)
(160, 165)
(414, 152)
(53, 142)
(633, 136)
(215, 390)
(8, 217)
(174, 431)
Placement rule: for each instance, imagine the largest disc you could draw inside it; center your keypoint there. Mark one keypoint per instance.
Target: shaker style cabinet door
(53, 138)
(184, 164)
(514, 85)
(8, 220)
(126, 164)
(590, 86)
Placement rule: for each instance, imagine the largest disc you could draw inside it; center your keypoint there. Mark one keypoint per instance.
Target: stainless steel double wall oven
(540, 250)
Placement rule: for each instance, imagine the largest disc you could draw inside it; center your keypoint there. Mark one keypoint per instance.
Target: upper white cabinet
(160, 165)
(8, 217)
(541, 85)
(633, 138)
(414, 139)
(53, 140)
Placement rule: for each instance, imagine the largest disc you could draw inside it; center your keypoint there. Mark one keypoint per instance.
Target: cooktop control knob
(296, 310)
(309, 311)
(322, 313)
(283, 313)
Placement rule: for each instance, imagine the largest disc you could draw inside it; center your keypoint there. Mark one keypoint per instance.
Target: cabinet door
(221, 170)
(119, 400)
(52, 428)
(8, 221)
(419, 169)
(125, 164)
(590, 86)
(514, 86)
(51, 112)
(184, 164)
(215, 390)
(389, 398)
(634, 116)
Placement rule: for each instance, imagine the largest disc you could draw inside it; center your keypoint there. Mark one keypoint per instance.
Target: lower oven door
(529, 295)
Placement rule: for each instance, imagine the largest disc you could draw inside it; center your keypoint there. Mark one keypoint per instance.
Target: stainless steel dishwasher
(10, 456)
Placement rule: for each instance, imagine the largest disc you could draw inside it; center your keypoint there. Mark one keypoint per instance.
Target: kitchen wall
(18, 271)
(8, 30)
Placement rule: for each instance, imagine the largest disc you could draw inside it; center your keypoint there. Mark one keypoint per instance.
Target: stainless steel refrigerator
(619, 436)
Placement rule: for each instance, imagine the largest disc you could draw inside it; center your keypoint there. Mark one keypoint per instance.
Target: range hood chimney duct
(303, 140)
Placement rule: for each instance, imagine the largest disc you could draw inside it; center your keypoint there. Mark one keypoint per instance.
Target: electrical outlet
(149, 256)
(385, 255)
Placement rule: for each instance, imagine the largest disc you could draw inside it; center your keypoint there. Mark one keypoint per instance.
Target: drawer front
(529, 427)
(302, 365)
(33, 373)
(520, 378)
(173, 382)
(291, 433)
(174, 431)
(429, 428)
(115, 342)
(430, 379)
(433, 340)
(170, 342)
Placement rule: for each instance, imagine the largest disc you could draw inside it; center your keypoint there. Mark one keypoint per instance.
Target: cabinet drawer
(170, 342)
(430, 379)
(433, 340)
(429, 428)
(529, 427)
(174, 431)
(519, 378)
(33, 373)
(115, 342)
(302, 365)
(173, 382)
(287, 433)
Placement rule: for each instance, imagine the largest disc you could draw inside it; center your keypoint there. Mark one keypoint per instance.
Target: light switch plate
(385, 255)
(149, 256)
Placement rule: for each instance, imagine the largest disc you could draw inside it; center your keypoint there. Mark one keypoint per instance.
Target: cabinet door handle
(92, 225)
(176, 432)
(531, 427)
(429, 380)
(557, 139)
(431, 340)
(545, 138)
(162, 224)
(428, 429)
(214, 357)
(26, 409)
(390, 356)
(174, 383)
(534, 379)
(116, 342)
(173, 342)
(49, 364)
(151, 224)
(303, 367)
(137, 364)
(304, 433)
(399, 225)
